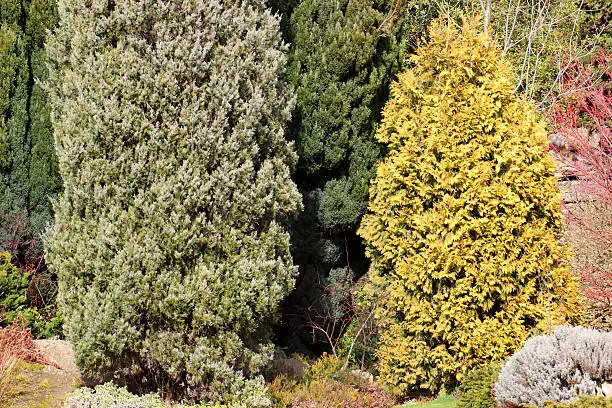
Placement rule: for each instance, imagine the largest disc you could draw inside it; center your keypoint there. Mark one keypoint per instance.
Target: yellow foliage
(464, 217)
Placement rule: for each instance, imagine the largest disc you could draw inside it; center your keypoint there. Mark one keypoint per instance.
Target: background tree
(543, 39)
(28, 168)
(168, 236)
(341, 64)
(464, 217)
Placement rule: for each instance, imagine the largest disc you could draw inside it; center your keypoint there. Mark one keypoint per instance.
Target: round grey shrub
(570, 362)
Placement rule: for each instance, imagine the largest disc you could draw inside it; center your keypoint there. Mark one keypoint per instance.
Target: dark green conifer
(28, 169)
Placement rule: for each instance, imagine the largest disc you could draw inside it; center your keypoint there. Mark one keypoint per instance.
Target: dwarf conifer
(464, 217)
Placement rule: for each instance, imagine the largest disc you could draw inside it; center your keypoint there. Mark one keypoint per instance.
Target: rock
(363, 375)
(606, 388)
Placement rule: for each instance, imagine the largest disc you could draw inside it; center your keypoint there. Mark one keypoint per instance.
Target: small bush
(328, 385)
(572, 361)
(476, 388)
(583, 402)
(110, 396)
(16, 301)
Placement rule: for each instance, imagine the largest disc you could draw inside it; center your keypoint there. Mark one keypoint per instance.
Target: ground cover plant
(464, 217)
(328, 383)
(558, 367)
(583, 402)
(19, 296)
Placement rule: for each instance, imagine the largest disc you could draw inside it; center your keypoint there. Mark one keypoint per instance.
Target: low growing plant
(475, 389)
(571, 361)
(17, 300)
(109, 395)
(583, 402)
(328, 384)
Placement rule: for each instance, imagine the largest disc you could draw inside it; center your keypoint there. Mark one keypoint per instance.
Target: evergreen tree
(28, 168)
(168, 236)
(464, 217)
(342, 61)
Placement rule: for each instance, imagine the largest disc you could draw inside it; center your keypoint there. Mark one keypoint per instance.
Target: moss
(28, 386)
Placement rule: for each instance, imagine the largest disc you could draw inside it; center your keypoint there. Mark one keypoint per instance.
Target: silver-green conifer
(169, 236)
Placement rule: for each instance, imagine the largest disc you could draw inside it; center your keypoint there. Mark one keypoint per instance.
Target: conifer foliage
(341, 64)
(28, 167)
(464, 217)
(169, 236)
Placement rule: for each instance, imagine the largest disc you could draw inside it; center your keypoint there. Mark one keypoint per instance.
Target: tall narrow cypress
(28, 167)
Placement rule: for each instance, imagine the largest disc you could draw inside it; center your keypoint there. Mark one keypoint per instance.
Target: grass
(443, 401)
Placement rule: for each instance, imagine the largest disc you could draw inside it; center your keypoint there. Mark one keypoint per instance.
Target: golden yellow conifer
(463, 218)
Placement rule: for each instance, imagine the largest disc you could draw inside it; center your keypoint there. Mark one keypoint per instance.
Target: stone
(606, 388)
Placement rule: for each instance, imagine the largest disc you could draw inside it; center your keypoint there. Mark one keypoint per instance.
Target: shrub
(572, 361)
(29, 179)
(109, 395)
(328, 384)
(341, 67)
(16, 301)
(464, 217)
(583, 402)
(169, 237)
(476, 388)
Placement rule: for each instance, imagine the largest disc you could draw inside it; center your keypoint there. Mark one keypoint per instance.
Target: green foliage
(583, 402)
(464, 217)
(13, 287)
(15, 303)
(110, 396)
(476, 387)
(169, 236)
(341, 65)
(28, 165)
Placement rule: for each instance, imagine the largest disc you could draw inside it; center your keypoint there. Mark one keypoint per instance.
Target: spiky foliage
(342, 62)
(28, 169)
(464, 217)
(476, 387)
(168, 237)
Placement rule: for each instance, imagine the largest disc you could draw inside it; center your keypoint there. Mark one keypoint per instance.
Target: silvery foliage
(169, 237)
(571, 361)
(108, 395)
